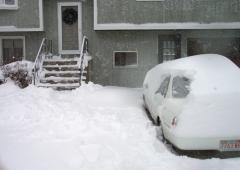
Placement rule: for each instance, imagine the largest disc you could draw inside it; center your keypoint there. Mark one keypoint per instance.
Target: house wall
(26, 16)
(140, 12)
(102, 44)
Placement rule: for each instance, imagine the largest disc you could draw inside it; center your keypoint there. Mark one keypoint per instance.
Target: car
(196, 100)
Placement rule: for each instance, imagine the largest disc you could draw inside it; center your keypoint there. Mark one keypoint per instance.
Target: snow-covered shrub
(2, 78)
(20, 72)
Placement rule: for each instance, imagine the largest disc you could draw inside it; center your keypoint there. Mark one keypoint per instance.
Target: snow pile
(20, 72)
(91, 128)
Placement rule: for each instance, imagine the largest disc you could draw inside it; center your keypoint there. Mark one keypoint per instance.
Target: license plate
(230, 145)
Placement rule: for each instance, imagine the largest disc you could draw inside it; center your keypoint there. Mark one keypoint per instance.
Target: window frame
(126, 66)
(9, 7)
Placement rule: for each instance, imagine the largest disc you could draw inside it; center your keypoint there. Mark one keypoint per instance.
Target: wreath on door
(70, 16)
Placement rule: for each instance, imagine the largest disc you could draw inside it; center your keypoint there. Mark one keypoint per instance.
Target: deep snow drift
(91, 128)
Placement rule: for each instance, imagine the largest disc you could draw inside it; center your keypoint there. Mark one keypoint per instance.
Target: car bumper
(197, 143)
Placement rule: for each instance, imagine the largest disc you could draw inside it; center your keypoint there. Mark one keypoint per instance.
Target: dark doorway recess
(228, 47)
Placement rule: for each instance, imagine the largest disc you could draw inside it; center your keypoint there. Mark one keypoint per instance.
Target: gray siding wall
(201, 11)
(104, 43)
(26, 16)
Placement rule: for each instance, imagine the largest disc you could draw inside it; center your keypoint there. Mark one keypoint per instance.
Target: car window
(181, 86)
(164, 87)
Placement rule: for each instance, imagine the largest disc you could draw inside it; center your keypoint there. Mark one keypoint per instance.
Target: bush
(19, 72)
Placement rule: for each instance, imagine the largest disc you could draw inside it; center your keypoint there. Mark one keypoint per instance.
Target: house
(125, 37)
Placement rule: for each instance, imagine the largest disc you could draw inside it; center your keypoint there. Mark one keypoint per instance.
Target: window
(181, 87)
(125, 59)
(8, 4)
(169, 50)
(169, 47)
(12, 50)
(164, 87)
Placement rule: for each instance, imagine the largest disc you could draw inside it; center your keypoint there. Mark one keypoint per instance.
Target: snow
(18, 65)
(92, 127)
(166, 26)
(210, 73)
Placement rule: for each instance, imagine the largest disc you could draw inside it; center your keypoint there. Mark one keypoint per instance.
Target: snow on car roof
(210, 73)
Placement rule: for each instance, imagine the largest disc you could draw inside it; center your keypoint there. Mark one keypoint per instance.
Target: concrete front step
(61, 78)
(59, 81)
(61, 67)
(71, 85)
(62, 73)
(60, 62)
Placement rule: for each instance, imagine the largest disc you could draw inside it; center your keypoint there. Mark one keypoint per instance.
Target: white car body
(200, 107)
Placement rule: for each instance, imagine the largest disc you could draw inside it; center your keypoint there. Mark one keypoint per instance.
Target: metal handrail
(84, 50)
(45, 48)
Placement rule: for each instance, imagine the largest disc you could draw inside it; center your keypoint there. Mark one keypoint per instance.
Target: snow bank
(93, 127)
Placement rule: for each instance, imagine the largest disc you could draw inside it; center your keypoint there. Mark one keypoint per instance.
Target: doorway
(228, 47)
(69, 27)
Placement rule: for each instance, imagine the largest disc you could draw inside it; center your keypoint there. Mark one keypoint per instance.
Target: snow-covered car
(196, 100)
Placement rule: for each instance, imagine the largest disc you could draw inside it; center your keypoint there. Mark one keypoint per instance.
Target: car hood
(210, 116)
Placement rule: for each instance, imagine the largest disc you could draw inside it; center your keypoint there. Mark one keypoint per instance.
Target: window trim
(12, 37)
(9, 7)
(127, 66)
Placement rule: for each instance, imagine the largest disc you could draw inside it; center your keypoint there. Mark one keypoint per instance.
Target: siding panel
(136, 12)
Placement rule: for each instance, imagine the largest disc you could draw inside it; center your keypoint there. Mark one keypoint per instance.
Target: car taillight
(174, 122)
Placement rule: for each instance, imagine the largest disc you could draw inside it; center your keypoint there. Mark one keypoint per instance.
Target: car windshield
(181, 87)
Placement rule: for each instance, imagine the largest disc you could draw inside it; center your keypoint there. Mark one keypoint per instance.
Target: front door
(12, 50)
(69, 27)
(169, 47)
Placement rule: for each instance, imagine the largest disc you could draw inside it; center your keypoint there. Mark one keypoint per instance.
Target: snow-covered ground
(91, 128)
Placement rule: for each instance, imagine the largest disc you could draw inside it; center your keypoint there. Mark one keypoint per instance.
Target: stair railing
(44, 50)
(83, 52)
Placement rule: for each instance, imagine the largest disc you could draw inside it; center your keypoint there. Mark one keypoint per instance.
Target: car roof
(210, 73)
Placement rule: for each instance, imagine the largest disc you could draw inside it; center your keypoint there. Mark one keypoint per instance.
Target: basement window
(125, 59)
(8, 4)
